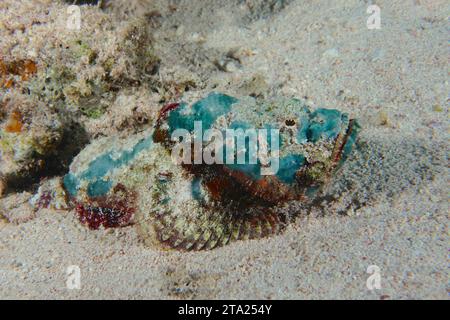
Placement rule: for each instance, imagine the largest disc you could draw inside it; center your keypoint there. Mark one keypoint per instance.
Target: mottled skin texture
(199, 206)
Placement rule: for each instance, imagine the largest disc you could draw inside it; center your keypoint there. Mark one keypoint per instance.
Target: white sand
(323, 51)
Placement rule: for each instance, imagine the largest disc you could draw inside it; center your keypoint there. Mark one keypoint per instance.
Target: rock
(25, 151)
(77, 74)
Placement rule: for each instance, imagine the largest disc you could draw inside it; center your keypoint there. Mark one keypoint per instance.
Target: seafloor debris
(199, 206)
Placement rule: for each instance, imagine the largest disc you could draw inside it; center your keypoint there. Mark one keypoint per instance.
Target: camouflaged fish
(195, 205)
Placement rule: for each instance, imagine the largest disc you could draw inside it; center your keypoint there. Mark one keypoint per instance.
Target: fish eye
(290, 122)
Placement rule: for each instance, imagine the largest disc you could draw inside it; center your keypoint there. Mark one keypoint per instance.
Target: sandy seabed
(394, 79)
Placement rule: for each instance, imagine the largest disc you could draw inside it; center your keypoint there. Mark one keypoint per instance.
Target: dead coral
(133, 110)
(89, 72)
(54, 81)
(27, 140)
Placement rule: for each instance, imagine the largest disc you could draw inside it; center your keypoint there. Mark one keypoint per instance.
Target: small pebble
(180, 31)
(228, 65)
(438, 108)
(331, 53)
(198, 38)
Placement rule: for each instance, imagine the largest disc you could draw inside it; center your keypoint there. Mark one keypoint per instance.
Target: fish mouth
(344, 143)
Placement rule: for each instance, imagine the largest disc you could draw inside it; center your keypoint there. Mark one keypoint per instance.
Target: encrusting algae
(14, 124)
